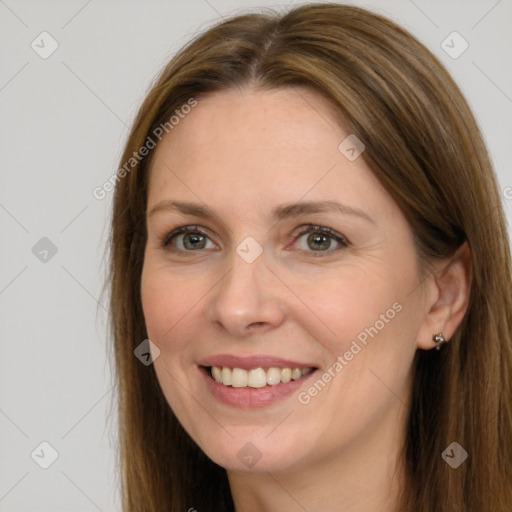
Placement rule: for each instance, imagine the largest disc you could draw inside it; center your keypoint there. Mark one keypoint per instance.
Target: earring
(439, 339)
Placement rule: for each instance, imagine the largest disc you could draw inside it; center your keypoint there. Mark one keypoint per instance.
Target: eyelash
(310, 228)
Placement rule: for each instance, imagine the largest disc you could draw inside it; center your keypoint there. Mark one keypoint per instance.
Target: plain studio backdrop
(72, 76)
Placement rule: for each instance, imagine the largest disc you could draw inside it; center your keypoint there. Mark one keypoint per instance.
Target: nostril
(257, 325)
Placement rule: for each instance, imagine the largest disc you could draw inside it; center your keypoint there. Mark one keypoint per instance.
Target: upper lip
(248, 363)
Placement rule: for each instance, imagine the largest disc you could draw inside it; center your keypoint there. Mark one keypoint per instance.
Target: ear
(448, 293)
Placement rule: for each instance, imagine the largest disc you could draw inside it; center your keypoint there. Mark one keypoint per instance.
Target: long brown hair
(424, 145)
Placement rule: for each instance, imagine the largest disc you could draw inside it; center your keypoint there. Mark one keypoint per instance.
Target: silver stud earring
(439, 339)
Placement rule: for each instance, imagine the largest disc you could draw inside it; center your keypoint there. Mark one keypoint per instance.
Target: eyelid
(342, 241)
(166, 240)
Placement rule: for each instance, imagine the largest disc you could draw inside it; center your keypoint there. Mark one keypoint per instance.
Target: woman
(310, 233)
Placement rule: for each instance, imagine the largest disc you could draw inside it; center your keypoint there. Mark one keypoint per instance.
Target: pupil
(193, 238)
(314, 238)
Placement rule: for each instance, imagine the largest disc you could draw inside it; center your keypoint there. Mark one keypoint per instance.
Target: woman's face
(252, 286)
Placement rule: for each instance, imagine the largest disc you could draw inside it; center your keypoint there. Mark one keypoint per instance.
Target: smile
(256, 377)
(250, 388)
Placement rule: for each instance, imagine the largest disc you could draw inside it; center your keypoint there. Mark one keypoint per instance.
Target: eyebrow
(281, 212)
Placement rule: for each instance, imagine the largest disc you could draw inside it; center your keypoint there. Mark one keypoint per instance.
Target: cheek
(368, 319)
(343, 306)
(165, 304)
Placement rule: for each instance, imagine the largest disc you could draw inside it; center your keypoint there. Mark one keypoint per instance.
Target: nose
(247, 298)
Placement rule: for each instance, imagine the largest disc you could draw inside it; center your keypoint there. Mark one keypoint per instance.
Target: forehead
(242, 120)
(275, 145)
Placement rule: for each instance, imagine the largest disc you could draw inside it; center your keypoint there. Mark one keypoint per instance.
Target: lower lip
(248, 398)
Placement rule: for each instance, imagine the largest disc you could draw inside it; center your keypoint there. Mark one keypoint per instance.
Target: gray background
(62, 126)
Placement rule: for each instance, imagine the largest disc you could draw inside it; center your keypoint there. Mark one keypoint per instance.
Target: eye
(192, 238)
(320, 239)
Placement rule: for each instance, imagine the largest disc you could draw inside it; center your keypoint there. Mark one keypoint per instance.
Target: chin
(256, 454)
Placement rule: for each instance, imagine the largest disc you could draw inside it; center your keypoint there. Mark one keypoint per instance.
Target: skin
(243, 152)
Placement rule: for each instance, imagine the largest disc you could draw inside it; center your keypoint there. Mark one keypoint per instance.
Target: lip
(250, 398)
(248, 363)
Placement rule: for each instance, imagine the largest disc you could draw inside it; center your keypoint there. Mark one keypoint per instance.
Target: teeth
(217, 373)
(226, 376)
(257, 377)
(238, 378)
(296, 374)
(273, 376)
(286, 375)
